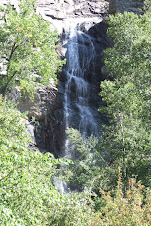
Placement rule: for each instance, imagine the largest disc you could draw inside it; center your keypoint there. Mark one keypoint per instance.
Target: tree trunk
(4, 89)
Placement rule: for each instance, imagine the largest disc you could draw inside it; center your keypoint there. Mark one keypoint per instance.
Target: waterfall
(80, 83)
(79, 110)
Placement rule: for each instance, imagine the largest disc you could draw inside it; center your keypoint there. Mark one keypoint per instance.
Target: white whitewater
(78, 89)
(76, 100)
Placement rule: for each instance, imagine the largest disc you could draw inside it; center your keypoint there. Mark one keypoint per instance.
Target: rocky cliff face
(60, 9)
(116, 6)
(47, 108)
(87, 17)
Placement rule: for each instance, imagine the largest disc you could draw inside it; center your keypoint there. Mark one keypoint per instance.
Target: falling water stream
(79, 107)
(77, 111)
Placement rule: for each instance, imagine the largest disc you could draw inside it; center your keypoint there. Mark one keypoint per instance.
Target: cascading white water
(77, 111)
(79, 85)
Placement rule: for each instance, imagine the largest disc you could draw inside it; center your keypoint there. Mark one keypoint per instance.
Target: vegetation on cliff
(109, 197)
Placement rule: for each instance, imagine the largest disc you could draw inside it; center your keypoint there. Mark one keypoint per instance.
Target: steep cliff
(48, 107)
(83, 37)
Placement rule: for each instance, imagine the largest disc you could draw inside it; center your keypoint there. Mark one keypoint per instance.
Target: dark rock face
(116, 6)
(50, 131)
(88, 16)
(89, 45)
(45, 114)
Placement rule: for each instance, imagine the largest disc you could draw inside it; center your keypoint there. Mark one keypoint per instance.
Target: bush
(126, 207)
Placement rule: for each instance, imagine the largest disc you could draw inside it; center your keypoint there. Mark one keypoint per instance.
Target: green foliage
(147, 7)
(84, 172)
(27, 195)
(126, 141)
(25, 175)
(12, 128)
(72, 209)
(27, 48)
(128, 208)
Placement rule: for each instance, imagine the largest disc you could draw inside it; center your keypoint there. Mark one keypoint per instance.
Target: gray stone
(36, 108)
(116, 6)
(62, 9)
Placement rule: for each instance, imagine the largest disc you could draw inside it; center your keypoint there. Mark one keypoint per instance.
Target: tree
(27, 48)
(128, 208)
(147, 7)
(25, 175)
(27, 194)
(127, 140)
